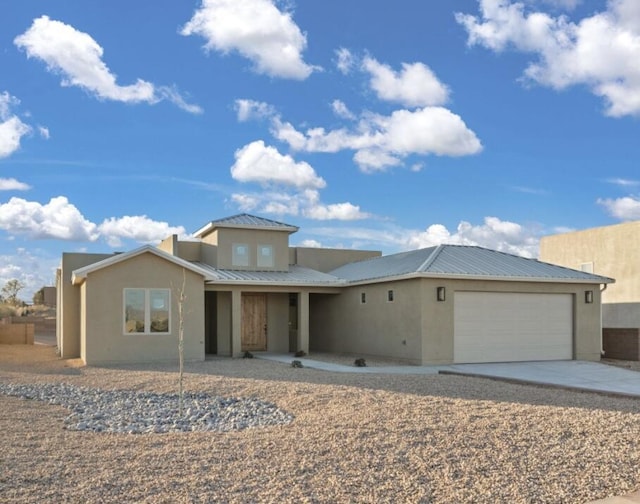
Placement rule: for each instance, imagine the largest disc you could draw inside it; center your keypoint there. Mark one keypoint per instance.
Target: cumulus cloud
(139, 228)
(11, 184)
(341, 110)
(57, 219)
(600, 51)
(383, 141)
(251, 109)
(77, 57)
(12, 129)
(257, 162)
(345, 60)
(291, 187)
(257, 30)
(414, 86)
(32, 267)
(494, 233)
(627, 208)
(61, 220)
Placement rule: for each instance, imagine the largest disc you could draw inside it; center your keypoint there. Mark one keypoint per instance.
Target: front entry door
(254, 322)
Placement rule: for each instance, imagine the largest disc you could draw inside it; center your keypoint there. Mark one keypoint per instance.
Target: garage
(507, 326)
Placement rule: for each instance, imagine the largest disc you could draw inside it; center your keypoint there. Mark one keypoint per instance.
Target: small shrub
(247, 355)
(360, 363)
(300, 353)
(296, 364)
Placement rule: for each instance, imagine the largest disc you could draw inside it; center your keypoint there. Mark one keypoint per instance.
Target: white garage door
(505, 327)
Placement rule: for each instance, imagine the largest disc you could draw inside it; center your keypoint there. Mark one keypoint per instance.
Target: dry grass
(355, 438)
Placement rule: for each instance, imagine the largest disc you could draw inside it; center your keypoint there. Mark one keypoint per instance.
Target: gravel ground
(353, 438)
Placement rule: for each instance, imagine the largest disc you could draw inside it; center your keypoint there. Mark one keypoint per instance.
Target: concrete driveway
(581, 375)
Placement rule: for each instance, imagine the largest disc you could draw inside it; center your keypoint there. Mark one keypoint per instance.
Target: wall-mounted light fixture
(588, 296)
(440, 293)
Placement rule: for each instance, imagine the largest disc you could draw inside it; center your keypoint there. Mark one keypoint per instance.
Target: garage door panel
(494, 327)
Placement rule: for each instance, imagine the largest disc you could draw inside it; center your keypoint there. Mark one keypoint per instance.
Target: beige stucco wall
(279, 240)
(68, 307)
(614, 253)
(378, 327)
(342, 323)
(325, 260)
(102, 332)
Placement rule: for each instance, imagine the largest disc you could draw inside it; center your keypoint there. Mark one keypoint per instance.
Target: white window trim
(147, 312)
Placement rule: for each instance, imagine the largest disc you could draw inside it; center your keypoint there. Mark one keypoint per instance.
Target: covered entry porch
(255, 318)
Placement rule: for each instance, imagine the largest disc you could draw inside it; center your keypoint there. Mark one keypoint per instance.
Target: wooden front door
(254, 322)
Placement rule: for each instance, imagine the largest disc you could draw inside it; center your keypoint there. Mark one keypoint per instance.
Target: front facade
(243, 288)
(611, 251)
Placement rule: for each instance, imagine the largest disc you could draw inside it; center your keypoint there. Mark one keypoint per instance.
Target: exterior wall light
(440, 293)
(588, 296)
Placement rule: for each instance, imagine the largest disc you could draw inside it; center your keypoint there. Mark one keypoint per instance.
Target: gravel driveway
(353, 438)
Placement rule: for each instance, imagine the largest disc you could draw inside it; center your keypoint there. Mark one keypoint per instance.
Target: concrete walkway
(580, 375)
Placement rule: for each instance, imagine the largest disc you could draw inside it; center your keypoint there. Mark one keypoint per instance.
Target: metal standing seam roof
(461, 261)
(246, 221)
(297, 275)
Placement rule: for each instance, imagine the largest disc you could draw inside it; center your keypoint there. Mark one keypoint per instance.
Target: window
(390, 295)
(147, 311)
(265, 256)
(363, 297)
(240, 254)
(587, 267)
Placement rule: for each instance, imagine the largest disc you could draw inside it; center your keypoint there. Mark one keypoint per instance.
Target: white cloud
(382, 141)
(33, 268)
(57, 219)
(344, 60)
(305, 203)
(61, 220)
(44, 132)
(600, 51)
(138, 228)
(263, 164)
(309, 244)
(11, 184)
(624, 182)
(12, 129)
(291, 187)
(627, 208)
(251, 109)
(341, 110)
(493, 233)
(257, 30)
(77, 57)
(414, 86)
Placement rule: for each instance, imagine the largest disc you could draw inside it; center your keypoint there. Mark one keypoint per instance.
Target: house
(611, 251)
(246, 289)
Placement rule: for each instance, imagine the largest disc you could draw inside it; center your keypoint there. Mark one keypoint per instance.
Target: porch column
(302, 342)
(236, 321)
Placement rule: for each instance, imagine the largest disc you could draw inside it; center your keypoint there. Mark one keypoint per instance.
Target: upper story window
(265, 256)
(147, 311)
(240, 254)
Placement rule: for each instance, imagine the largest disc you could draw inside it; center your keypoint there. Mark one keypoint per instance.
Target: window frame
(234, 255)
(260, 256)
(148, 309)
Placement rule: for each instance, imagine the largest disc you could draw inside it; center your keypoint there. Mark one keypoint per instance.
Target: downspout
(602, 289)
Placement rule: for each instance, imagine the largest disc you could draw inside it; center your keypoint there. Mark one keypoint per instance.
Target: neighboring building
(247, 290)
(613, 251)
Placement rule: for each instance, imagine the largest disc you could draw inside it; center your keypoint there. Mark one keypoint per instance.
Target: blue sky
(392, 127)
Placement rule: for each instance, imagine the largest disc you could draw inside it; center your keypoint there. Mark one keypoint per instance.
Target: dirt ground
(355, 438)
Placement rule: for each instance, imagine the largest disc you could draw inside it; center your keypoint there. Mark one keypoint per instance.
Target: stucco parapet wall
(17, 334)
(78, 276)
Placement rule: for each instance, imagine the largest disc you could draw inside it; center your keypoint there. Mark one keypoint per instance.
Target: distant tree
(10, 292)
(38, 297)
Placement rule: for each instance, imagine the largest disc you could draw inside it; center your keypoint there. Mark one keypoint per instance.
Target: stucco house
(246, 289)
(612, 251)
